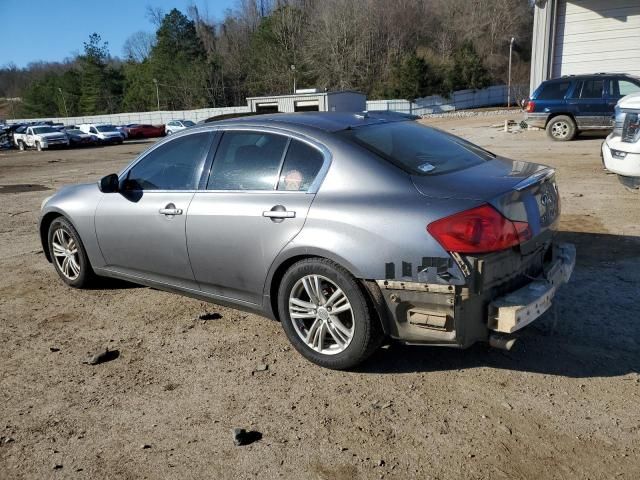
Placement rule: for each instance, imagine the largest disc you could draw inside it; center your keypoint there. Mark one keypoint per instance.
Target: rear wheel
(68, 254)
(21, 145)
(562, 128)
(326, 315)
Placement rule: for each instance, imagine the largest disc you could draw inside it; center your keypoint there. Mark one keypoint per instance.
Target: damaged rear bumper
(504, 293)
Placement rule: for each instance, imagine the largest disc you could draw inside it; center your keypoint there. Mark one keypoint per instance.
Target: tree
(93, 76)
(138, 46)
(468, 70)
(179, 62)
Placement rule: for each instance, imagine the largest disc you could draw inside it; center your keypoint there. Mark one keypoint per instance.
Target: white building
(310, 101)
(585, 36)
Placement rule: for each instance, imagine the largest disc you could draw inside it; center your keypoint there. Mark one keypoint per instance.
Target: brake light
(530, 106)
(480, 230)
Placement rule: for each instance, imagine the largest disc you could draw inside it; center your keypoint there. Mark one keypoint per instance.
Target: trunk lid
(520, 191)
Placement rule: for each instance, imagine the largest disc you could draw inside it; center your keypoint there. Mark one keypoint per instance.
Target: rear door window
(247, 160)
(591, 89)
(301, 166)
(418, 149)
(554, 90)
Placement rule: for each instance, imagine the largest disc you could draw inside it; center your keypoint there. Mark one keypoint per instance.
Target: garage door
(597, 36)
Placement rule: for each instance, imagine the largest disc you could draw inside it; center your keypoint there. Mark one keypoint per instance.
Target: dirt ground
(565, 403)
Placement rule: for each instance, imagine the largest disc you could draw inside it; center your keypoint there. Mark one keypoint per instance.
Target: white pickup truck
(39, 137)
(621, 149)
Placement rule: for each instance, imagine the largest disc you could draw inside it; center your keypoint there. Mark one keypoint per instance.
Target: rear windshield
(552, 90)
(418, 149)
(188, 123)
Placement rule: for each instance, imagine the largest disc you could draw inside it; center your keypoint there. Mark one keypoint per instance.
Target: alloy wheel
(321, 314)
(65, 253)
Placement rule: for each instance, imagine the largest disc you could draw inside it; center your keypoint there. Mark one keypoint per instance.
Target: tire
(38, 146)
(338, 340)
(21, 146)
(79, 273)
(562, 128)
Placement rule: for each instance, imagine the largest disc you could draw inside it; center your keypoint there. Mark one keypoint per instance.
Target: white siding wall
(597, 36)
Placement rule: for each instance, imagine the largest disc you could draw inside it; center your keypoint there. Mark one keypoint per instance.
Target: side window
(93, 130)
(173, 166)
(301, 165)
(554, 91)
(624, 87)
(247, 160)
(592, 89)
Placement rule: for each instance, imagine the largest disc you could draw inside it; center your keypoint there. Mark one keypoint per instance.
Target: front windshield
(188, 123)
(106, 128)
(39, 130)
(418, 149)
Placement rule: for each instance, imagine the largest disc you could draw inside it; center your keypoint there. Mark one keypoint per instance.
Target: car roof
(327, 121)
(582, 76)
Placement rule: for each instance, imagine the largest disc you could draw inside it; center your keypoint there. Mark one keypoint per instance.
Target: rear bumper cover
(538, 120)
(518, 309)
(459, 316)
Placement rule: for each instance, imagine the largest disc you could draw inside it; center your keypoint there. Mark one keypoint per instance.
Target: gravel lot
(565, 403)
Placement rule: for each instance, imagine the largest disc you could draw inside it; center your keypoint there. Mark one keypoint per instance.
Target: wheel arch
(369, 288)
(553, 115)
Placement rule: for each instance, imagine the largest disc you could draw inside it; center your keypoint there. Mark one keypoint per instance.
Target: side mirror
(109, 184)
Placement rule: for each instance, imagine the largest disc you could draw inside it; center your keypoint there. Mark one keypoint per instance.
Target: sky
(52, 30)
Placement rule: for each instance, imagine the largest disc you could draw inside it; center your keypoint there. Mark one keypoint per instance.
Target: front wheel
(326, 316)
(38, 146)
(562, 128)
(68, 254)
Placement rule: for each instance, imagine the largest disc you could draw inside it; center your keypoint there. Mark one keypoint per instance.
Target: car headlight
(631, 127)
(45, 201)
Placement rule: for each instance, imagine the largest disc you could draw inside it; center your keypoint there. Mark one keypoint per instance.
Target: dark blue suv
(568, 105)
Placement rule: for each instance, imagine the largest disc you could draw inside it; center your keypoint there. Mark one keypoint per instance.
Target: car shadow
(595, 331)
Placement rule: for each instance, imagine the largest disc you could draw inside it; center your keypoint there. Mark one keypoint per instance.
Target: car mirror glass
(109, 184)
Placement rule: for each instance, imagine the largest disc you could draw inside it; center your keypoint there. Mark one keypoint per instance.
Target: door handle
(170, 209)
(279, 214)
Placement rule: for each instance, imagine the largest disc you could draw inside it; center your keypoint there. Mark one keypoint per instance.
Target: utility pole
(155, 81)
(509, 86)
(293, 69)
(64, 102)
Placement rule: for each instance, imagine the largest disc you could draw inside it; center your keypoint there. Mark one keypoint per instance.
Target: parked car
(621, 149)
(145, 131)
(345, 227)
(78, 138)
(572, 104)
(177, 125)
(123, 131)
(105, 133)
(39, 137)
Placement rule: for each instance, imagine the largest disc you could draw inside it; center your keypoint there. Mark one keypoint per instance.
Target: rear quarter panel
(368, 217)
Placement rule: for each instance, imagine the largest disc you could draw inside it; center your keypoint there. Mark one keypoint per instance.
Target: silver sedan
(347, 228)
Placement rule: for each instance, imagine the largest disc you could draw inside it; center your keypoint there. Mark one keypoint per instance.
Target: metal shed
(310, 101)
(573, 37)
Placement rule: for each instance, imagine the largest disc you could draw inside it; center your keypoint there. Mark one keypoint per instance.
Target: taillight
(480, 230)
(530, 106)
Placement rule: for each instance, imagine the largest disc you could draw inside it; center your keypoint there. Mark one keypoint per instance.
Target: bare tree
(138, 46)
